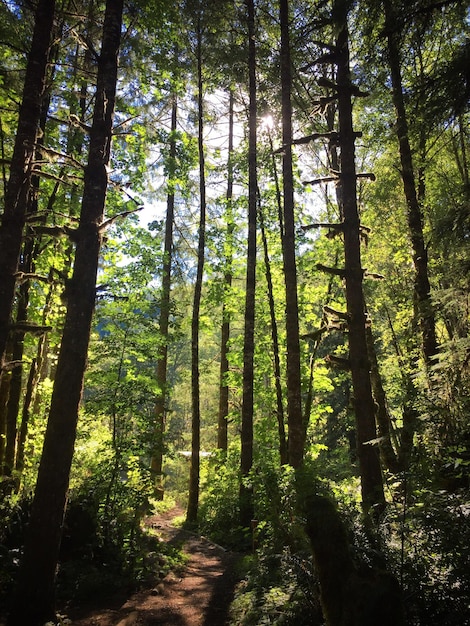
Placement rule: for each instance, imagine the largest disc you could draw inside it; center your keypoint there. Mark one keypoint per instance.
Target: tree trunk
(350, 596)
(31, 396)
(222, 430)
(294, 402)
(246, 459)
(26, 265)
(422, 288)
(283, 449)
(162, 363)
(193, 498)
(14, 395)
(4, 391)
(283, 445)
(35, 601)
(23, 429)
(384, 425)
(16, 197)
(368, 455)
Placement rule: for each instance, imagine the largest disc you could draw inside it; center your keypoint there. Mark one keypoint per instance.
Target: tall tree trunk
(294, 400)
(193, 498)
(162, 363)
(16, 197)
(283, 445)
(31, 248)
(26, 265)
(283, 449)
(368, 455)
(246, 459)
(422, 288)
(222, 430)
(34, 602)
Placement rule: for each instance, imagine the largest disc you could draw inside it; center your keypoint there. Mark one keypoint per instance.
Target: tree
(422, 288)
(349, 595)
(30, 250)
(283, 448)
(294, 402)
(222, 426)
(246, 459)
(353, 273)
(161, 374)
(35, 593)
(364, 408)
(193, 496)
(22, 162)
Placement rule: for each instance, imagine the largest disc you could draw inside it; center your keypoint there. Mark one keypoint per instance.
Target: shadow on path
(223, 590)
(200, 595)
(220, 574)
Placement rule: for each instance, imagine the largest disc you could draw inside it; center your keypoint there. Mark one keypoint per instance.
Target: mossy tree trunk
(364, 407)
(422, 287)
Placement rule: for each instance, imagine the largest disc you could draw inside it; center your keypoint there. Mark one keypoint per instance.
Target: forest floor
(200, 595)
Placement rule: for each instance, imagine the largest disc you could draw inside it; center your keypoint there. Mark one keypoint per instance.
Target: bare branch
(335, 271)
(22, 277)
(323, 225)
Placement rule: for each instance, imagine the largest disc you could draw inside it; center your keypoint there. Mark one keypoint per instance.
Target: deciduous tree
(35, 598)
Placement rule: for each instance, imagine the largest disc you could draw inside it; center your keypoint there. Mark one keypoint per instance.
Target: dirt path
(200, 596)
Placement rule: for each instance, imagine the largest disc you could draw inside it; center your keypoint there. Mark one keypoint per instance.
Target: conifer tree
(294, 402)
(246, 461)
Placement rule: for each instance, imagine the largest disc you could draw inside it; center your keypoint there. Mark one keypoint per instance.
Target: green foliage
(14, 514)
(219, 501)
(280, 589)
(426, 546)
(91, 565)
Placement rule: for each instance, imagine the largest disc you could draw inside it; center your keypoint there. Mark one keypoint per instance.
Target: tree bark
(222, 426)
(16, 197)
(246, 459)
(422, 287)
(280, 414)
(283, 448)
(193, 497)
(162, 363)
(29, 252)
(368, 455)
(35, 603)
(294, 401)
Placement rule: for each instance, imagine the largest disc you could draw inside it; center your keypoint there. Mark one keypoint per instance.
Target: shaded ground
(199, 596)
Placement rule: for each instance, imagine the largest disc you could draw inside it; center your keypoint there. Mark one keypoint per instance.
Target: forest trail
(199, 596)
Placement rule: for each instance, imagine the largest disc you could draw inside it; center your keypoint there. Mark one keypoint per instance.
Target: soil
(198, 596)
